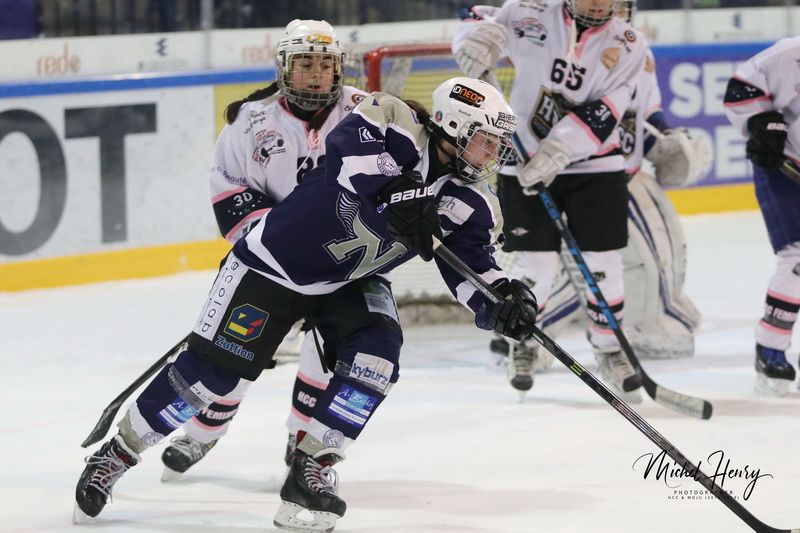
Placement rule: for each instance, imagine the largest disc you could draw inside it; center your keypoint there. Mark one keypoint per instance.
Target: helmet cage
(624, 9)
(589, 21)
(304, 39)
(475, 143)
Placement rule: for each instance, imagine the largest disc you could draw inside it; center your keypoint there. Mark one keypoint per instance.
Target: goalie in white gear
(271, 139)
(568, 85)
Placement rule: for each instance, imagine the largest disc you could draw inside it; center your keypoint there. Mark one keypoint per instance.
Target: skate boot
(103, 469)
(774, 373)
(182, 454)
(311, 487)
(520, 366)
(617, 370)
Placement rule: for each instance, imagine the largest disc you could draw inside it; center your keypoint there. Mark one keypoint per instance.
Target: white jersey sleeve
(768, 81)
(571, 89)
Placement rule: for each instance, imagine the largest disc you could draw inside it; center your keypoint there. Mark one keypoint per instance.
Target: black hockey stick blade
(107, 418)
(612, 399)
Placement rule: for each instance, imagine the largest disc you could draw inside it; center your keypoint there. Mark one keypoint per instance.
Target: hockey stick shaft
(791, 171)
(682, 403)
(107, 418)
(612, 399)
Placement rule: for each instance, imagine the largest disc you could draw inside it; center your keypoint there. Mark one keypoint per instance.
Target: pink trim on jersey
(766, 96)
(783, 297)
(314, 383)
(601, 331)
(254, 215)
(581, 124)
(634, 170)
(773, 329)
(300, 415)
(206, 427)
(223, 401)
(609, 148)
(227, 194)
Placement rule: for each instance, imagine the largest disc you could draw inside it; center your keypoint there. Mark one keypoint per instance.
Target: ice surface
(451, 449)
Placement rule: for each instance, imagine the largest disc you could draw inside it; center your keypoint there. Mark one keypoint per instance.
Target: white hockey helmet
(474, 117)
(304, 38)
(624, 9)
(586, 18)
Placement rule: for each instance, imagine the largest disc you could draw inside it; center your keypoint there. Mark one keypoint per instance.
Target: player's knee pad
(177, 393)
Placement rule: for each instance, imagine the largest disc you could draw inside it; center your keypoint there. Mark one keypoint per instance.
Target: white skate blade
(772, 386)
(169, 475)
(293, 517)
(78, 516)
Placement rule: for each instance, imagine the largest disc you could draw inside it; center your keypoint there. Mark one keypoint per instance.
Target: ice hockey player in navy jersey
(271, 140)
(395, 182)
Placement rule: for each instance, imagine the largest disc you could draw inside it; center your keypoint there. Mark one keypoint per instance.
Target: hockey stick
(791, 171)
(107, 418)
(612, 399)
(682, 403)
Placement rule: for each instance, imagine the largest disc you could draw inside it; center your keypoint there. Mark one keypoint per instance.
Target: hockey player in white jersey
(576, 67)
(271, 139)
(395, 181)
(761, 102)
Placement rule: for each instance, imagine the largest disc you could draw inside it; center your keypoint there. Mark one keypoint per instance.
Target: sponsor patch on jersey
(177, 413)
(387, 165)
(531, 29)
(466, 95)
(610, 57)
(379, 299)
(454, 209)
(352, 406)
(246, 322)
(373, 371)
(268, 143)
(358, 98)
(630, 36)
(796, 270)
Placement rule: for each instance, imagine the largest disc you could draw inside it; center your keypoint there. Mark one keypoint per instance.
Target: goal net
(413, 71)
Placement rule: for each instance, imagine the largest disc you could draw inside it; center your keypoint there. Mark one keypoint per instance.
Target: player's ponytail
(232, 110)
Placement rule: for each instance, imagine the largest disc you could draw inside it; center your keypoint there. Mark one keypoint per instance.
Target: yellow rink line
(174, 258)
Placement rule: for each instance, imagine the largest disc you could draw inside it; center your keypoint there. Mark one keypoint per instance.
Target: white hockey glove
(480, 50)
(679, 159)
(551, 159)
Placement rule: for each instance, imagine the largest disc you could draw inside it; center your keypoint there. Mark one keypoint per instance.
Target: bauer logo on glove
(401, 196)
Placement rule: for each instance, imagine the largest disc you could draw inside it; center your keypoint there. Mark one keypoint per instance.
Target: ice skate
(103, 469)
(311, 489)
(520, 367)
(618, 372)
(774, 373)
(182, 454)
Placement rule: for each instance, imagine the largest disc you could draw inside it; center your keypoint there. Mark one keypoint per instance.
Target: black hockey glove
(767, 139)
(411, 213)
(514, 316)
